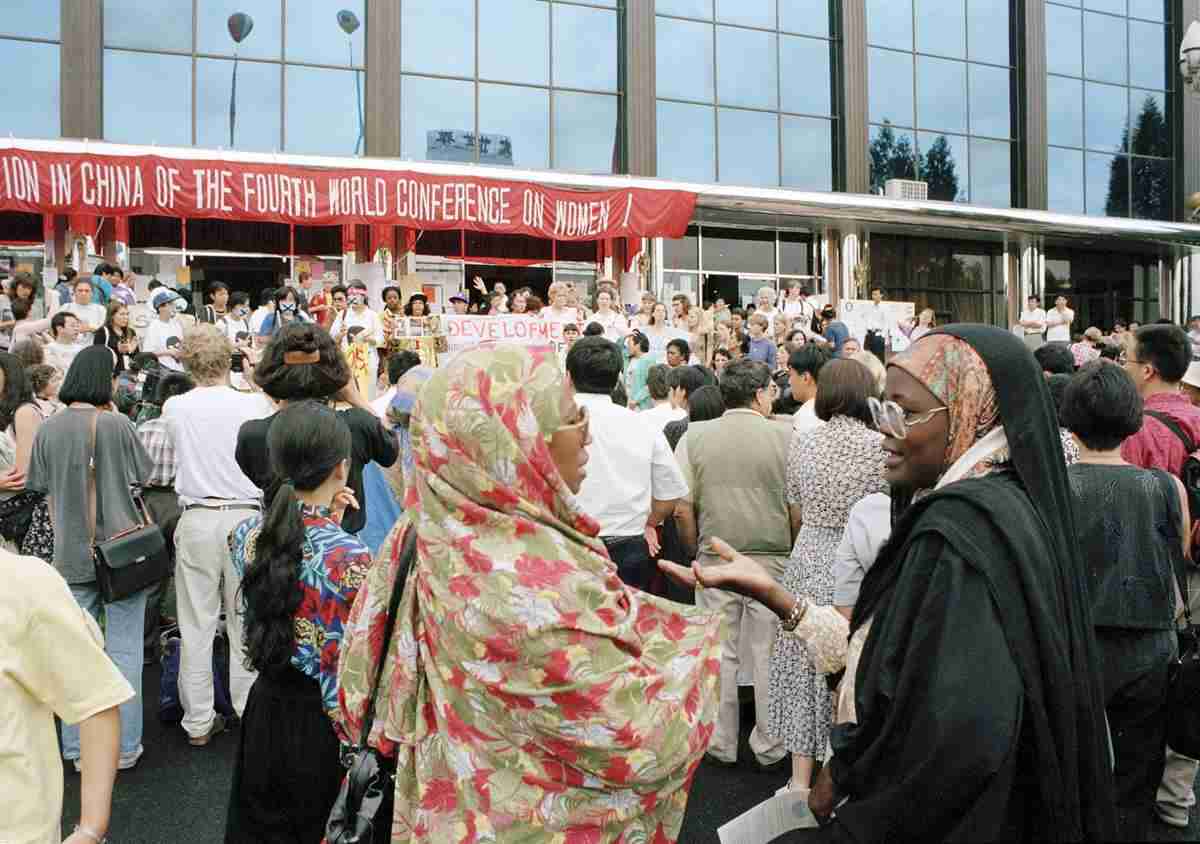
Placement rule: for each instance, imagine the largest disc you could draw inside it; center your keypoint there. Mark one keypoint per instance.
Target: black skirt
(288, 769)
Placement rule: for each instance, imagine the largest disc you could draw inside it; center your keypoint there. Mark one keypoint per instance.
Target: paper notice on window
(770, 819)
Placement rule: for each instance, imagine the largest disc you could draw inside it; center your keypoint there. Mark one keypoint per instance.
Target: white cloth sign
(466, 331)
(854, 312)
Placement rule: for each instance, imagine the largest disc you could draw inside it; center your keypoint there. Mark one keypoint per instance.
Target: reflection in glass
(810, 17)
(941, 94)
(990, 101)
(165, 81)
(749, 76)
(151, 24)
(1148, 46)
(795, 254)
(523, 22)
(585, 127)
(29, 80)
(991, 173)
(944, 166)
(1107, 184)
(739, 250)
(683, 253)
(1064, 29)
(1105, 50)
(1151, 131)
(891, 92)
(1065, 170)
(444, 107)
(1107, 116)
(1064, 114)
(892, 154)
(889, 23)
(807, 153)
(321, 112)
(1152, 10)
(30, 19)
(687, 147)
(1116, 7)
(804, 72)
(702, 9)
(258, 105)
(313, 33)
(747, 12)
(987, 31)
(684, 59)
(520, 114)
(265, 41)
(942, 27)
(585, 48)
(748, 143)
(438, 36)
(1151, 188)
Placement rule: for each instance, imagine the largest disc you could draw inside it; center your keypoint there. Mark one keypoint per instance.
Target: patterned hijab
(530, 695)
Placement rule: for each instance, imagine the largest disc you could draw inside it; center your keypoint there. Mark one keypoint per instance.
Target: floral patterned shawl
(530, 696)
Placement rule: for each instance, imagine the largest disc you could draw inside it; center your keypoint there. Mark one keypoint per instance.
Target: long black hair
(17, 388)
(306, 442)
(284, 381)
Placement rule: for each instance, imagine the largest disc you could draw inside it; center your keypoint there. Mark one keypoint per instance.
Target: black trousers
(632, 556)
(875, 344)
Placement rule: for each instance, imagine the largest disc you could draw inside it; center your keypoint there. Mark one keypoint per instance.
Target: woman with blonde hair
(878, 373)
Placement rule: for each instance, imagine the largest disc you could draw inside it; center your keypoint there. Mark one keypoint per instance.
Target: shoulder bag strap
(407, 554)
(1175, 428)
(1166, 482)
(93, 491)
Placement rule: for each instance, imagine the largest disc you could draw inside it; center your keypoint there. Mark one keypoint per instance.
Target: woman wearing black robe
(980, 714)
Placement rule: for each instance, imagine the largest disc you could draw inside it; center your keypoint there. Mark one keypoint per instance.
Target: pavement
(178, 793)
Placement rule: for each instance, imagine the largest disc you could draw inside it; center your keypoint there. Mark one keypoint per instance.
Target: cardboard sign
(853, 312)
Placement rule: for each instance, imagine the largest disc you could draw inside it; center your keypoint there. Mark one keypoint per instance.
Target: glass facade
(962, 280)
(524, 83)
(735, 263)
(940, 98)
(1103, 287)
(299, 83)
(746, 92)
(29, 68)
(1110, 107)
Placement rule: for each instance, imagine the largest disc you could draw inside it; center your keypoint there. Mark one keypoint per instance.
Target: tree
(891, 158)
(939, 172)
(1143, 181)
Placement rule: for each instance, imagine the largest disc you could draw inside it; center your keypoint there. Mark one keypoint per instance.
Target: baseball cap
(458, 297)
(161, 296)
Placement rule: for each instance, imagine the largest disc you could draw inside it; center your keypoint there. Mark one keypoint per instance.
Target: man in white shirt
(165, 331)
(215, 497)
(804, 367)
(877, 325)
(1031, 324)
(1058, 322)
(664, 410)
(633, 480)
(266, 307)
(91, 316)
(64, 325)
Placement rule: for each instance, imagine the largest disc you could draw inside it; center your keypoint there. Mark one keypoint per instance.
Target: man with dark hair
(735, 469)
(64, 326)
(664, 410)
(398, 363)
(633, 481)
(218, 296)
(804, 365)
(678, 352)
(682, 381)
(266, 307)
(1055, 359)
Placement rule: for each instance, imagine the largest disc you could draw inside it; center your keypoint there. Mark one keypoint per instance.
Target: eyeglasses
(580, 423)
(891, 418)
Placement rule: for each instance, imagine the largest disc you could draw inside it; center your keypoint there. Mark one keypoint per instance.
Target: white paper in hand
(769, 820)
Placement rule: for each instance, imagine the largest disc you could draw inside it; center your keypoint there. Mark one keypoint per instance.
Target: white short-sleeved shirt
(93, 315)
(158, 334)
(1036, 315)
(658, 416)
(1058, 326)
(805, 418)
(629, 463)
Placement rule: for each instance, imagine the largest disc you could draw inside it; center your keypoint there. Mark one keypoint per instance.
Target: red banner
(107, 185)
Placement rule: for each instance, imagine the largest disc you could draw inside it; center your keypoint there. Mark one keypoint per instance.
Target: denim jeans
(123, 624)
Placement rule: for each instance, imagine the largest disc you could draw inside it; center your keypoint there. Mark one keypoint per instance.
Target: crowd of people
(533, 582)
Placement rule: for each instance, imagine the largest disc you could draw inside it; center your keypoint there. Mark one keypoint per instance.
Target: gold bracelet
(796, 615)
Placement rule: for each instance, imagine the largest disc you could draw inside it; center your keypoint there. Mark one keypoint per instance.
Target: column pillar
(856, 173)
(81, 69)
(382, 104)
(1031, 85)
(638, 80)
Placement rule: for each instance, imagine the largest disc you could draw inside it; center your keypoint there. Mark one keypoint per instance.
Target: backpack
(1190, 474)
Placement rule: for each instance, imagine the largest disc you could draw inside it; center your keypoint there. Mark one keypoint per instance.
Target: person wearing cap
(164, 328)
(460, 303)
(1190, 385)
(359, 333)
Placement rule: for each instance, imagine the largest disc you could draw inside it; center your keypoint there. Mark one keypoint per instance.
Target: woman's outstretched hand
(738, 574)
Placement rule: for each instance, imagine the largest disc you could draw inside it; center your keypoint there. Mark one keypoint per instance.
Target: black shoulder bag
(364, 802)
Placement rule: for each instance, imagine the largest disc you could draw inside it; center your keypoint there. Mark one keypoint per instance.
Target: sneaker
(125, 761)
(218, 726)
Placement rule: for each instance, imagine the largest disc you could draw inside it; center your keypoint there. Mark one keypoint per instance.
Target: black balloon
(240, 25)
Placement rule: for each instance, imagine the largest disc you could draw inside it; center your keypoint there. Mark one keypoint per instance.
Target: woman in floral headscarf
(526, 693)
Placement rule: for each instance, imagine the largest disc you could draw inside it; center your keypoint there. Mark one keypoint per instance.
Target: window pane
(258, 105)
(991, 173)
(524, 22)
(1151, 133)
(891, 89)
(806, 75)
(30, 19)
(684, 59)
(747, 12)
(944, 166)
(322, 115)
(686, 142)
(988, 30)
(1064, 34)
(748, 142)
(1105, 50)
(438, 36)
(889, 23)
(1065, 168)
(265, 40)
(1148, 44)
(1154, 10)
(1151, 188)
(1116, 7)
(165, 81)
(1106, 109)
(891, 155)
(942, 27)
(1108, 185)
(1064, 114)
(585, 128)
(810, 17)
(991, 101)
(687, 8)
(747, 75)
(155, 24)
(437, 119)
(314, 34)
(682, 253)
(807, 153)
(585, 48)
(739, 250)
(795, 255)
(29, 89)
(523, 116)
(941, 94)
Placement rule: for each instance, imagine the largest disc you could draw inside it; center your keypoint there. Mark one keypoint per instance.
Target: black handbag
(16, 516)
(130, 561)
(362, 809)
(1183, 686)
